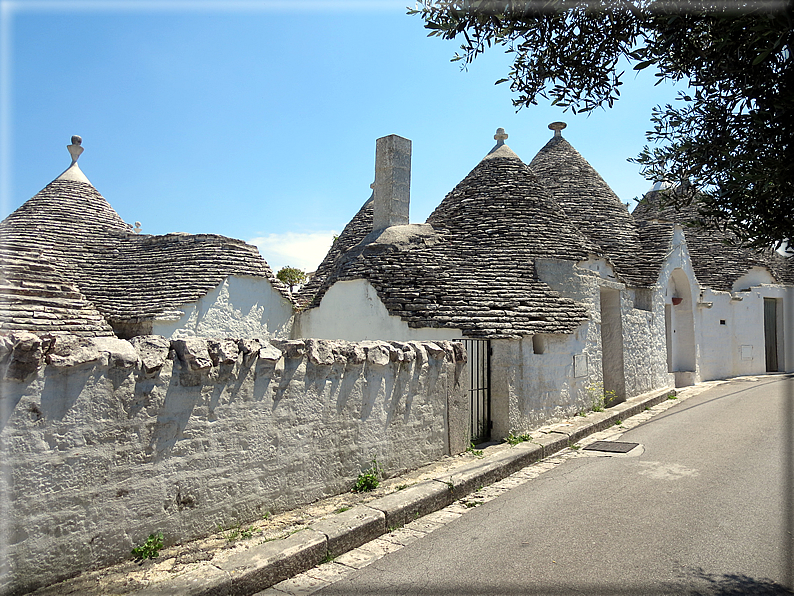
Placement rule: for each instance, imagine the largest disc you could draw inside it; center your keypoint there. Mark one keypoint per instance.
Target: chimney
(392, 182)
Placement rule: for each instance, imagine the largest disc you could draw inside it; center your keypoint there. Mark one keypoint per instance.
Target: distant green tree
(291, 276)
(731, 137)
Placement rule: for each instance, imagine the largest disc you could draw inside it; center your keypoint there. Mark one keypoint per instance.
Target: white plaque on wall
(580, 365)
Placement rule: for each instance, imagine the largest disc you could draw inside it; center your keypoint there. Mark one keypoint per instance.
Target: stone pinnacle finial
(500, 136)
(75, 149)
(557, 127)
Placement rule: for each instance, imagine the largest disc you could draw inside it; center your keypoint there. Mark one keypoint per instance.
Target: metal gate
(479, 351)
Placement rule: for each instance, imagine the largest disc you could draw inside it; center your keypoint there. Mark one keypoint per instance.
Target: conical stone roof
(355, 231)
(592, 206)
(127, 277)
(474, 269)
(717, 259)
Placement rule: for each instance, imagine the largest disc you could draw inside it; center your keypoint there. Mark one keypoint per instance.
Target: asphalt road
(704, 506)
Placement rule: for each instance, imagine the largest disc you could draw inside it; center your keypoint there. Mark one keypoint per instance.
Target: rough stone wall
(105, 441)
(530, 389)
(644, 342)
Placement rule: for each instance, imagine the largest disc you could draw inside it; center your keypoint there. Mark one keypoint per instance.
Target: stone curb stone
(408, 504)
(250, 571)
(469, 478)
(627, 409)
(208, 581)
(350, 529)
(267, 564)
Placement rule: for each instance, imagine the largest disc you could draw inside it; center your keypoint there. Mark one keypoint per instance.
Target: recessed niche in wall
(538, 344)
(643, 299)
(722, 321)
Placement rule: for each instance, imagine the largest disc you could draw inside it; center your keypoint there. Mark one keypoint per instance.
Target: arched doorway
(680, 328)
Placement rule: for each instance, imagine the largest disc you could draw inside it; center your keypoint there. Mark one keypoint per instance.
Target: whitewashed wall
(110, 441)
(737, 347)
(530, 389)
(644, 343)
(353, 311)
(241, 306)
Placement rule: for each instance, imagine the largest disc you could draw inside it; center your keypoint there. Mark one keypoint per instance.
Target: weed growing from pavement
(369, 479)
(237, 532)
(516, 439)
(601, 398)
(149, 549)
(342, 509)
(327, 558)
(475, 452)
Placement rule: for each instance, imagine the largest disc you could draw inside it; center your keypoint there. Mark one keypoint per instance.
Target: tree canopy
(292, 276)
(730, 137)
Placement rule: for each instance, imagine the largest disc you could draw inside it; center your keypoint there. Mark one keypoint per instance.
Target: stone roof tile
(592, 206)
(474, 270)
(127, 277)
(717, 260)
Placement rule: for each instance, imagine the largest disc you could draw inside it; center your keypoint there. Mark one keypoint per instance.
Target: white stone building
(578, 297)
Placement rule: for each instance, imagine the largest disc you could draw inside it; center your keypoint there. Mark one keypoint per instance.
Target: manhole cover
(611, 446)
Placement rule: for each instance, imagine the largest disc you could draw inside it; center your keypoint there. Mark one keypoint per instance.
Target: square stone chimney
(392, 182)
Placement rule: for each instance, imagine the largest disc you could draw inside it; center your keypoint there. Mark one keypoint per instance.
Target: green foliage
(474, 451)
(149, 549)
(516, 439)
(327, 558)
(731, 137)
(342, 509)
(291, 276)
(601, 398)
(238, 532)
(369, 479)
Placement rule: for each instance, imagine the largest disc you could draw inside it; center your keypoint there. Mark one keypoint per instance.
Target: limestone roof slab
(593, 207)
(125, 276)
(476, 272)
(716, 258)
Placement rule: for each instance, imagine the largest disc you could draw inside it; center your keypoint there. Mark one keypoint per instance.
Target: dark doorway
(770, 334)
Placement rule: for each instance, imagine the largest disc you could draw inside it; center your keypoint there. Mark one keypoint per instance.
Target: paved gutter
(260, 566)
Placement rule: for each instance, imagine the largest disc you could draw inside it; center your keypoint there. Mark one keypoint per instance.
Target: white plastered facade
(352, 310)
(241, 306)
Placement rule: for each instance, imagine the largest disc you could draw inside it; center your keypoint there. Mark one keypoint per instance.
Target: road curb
(260, 567)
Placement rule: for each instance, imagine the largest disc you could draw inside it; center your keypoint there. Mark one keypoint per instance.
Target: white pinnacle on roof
(500, 149)
(557, 127)
(73, 172)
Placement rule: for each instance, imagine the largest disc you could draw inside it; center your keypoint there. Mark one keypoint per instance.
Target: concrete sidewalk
(259, 566)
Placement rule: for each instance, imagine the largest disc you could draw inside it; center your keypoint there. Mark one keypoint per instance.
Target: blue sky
(258, 120)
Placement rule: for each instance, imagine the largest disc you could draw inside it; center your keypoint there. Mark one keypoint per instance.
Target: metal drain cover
(611, 446)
